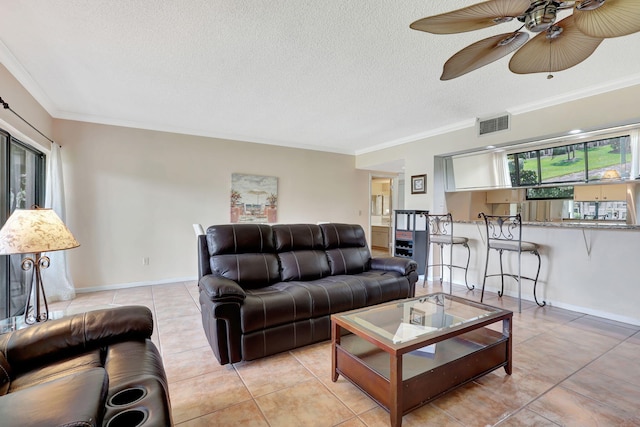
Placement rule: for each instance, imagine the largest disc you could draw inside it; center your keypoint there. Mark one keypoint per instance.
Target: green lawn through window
(558, 165)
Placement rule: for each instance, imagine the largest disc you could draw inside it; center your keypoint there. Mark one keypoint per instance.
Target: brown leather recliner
(267, 289)
(90, 369)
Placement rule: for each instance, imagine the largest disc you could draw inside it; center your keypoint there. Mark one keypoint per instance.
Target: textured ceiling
(331, 75)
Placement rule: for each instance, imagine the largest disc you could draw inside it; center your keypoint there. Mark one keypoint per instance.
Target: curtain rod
(6, 107)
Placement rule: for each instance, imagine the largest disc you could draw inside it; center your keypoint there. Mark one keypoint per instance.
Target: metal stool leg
(426, 263)
(450, 268)
(501, 275)
(535, 282)
(484, 279)
(466, 269)
(441, 262)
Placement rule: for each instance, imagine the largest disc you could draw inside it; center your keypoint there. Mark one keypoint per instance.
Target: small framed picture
(418, 184)
(417, 317)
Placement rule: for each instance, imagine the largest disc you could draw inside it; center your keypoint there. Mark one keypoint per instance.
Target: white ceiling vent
(493, 124)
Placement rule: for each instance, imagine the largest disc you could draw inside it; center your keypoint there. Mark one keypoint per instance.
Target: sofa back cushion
(346, 248)
(300, 250)
(243, 253)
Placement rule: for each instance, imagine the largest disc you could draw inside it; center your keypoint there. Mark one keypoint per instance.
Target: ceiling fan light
(541, 18)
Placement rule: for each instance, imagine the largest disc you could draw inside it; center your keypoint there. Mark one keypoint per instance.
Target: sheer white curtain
(635, 153)
(502, 178)
(56, 279)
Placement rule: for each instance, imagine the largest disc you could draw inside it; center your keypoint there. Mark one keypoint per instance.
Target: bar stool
(504, 233)
(440, 232)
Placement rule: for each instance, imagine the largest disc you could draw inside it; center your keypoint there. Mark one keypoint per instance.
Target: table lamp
(33, 231)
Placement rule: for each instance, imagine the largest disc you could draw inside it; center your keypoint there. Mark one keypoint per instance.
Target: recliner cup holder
(128, 418)
(127, 396)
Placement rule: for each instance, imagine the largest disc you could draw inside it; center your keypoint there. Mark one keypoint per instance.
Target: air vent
(493, 124)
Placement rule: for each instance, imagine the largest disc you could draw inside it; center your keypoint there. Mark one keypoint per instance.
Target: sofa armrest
(403, 266)
(220, 289)
(39, 344)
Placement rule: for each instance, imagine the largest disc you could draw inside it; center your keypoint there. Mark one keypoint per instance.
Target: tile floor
(570, 369)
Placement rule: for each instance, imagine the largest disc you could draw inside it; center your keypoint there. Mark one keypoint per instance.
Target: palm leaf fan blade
(542, 54)
(474, 17)
(482, 53)
(614, 18)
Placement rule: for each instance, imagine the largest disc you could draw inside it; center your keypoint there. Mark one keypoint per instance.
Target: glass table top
(403, 321)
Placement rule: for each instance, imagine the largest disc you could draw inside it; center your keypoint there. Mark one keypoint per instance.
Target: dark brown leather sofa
(92, 369)
(267, 289)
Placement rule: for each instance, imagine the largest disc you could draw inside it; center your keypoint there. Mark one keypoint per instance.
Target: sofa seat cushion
(73, 400)
(293, 301)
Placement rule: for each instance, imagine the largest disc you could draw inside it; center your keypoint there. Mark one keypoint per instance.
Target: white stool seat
(511, 245)
(448, 240)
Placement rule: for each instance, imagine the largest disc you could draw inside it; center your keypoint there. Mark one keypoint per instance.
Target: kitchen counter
(587, 266)
(604, 225)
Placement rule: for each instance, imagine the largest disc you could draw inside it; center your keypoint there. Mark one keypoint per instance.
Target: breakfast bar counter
(587, 266)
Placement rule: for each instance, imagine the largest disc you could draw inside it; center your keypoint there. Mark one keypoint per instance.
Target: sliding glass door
(22, 171)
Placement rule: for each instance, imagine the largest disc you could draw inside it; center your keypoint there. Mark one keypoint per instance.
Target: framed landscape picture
(254, 198)
(418, 184)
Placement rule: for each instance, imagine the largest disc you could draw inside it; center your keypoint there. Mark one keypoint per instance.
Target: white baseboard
(135, 284)
(583, 310)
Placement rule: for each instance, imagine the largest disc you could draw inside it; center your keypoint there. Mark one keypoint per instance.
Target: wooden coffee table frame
(472, 350)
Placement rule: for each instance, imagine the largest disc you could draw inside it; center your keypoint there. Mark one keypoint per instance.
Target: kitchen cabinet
(505, 196)
(380, 237)
(588, 193)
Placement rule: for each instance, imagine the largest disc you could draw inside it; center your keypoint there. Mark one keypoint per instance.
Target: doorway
(380, 216)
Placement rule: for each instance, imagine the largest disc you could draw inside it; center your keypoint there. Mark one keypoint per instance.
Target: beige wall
(24, 104)
(572, 276)
(133, 193)
(589, 113)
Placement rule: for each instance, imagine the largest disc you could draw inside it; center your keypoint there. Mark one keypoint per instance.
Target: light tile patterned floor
(570, 369)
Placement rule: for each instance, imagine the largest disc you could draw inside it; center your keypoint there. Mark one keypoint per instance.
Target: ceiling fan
(556, 47)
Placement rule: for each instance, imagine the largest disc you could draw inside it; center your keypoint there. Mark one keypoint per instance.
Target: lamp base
(36, 310)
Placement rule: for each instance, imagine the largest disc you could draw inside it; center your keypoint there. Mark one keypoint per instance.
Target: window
(583, 162)
(21, 186)
(609, 158)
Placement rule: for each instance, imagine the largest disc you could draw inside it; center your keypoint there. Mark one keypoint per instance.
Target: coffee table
(406, 353)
